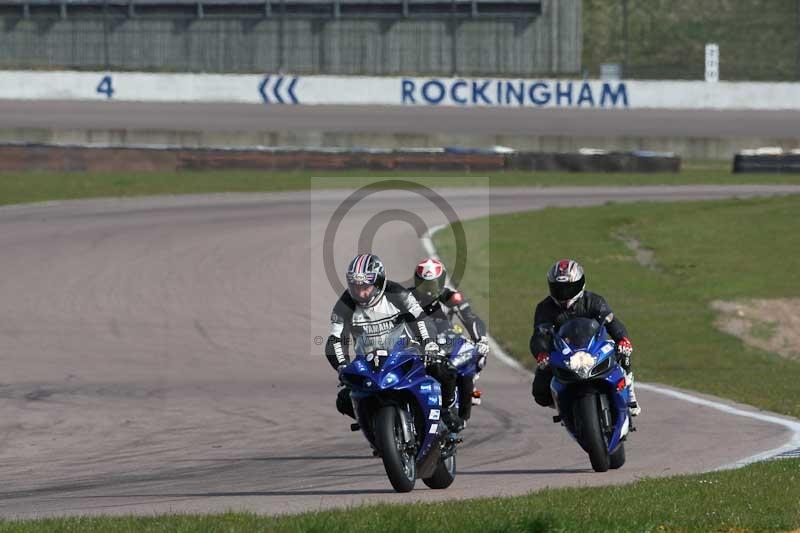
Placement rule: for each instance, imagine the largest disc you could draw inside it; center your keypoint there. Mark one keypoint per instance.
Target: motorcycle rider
(440, 303)
(569, 299)
(373, 305)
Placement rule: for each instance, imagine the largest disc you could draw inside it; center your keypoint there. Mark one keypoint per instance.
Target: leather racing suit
(440, 311)
(590, 305)
(397, 305)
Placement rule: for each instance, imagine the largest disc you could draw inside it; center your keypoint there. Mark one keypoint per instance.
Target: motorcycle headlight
(461, 359)
(582, 363)
(389, 379)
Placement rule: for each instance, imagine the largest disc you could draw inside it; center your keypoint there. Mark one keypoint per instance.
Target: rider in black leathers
(568, 299)
(440, 304)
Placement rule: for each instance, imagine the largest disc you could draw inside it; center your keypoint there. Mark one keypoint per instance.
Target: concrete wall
(396, 91)
(390, 91)
(548, 44)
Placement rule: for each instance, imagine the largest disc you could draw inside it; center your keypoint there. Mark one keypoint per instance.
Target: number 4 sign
(105, 87)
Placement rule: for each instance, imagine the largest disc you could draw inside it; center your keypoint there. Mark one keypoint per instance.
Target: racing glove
(433, 353)
(542, 359)
(483, 345)
(624, 351)
(483, 350)
(431, 349)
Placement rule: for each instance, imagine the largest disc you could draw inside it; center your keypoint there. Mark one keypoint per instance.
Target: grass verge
(36, 187)
(701, 251)
(760, 497)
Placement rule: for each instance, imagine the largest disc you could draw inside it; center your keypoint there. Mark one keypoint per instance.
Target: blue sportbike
(398, 406)
(590, 391)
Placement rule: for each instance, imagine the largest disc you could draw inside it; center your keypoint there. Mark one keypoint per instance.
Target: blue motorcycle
(590, 391)
(463, 354)
(398, 407)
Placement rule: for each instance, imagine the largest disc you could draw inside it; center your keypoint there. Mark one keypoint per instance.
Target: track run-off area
(161, 355)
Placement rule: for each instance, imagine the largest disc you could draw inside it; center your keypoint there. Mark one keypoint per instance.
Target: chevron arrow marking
(262, 89)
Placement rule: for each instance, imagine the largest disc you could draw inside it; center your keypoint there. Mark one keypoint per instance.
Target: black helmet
(366, 279)
(567, 282)
(429, 279)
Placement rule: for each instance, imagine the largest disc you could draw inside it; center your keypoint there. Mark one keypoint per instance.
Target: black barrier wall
(773, 164)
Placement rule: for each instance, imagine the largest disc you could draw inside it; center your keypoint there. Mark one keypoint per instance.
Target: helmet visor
(565, 291)
(361, 292)
(431, 288)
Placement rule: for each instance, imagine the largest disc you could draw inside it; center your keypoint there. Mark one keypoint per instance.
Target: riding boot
(449, 415)
(633, 404)
(344, 404)
(465, 388)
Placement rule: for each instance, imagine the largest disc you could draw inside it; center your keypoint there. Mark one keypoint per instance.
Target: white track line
(792, 425)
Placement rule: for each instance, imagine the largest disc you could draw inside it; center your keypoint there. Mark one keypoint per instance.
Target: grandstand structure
(358, 37)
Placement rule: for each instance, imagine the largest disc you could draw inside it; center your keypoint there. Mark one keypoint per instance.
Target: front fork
(409, 431)
(606, 421)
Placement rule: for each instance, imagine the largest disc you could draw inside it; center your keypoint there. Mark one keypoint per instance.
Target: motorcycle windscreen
(393, 340)
(579, 332)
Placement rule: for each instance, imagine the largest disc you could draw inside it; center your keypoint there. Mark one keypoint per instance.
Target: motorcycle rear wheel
(617, 459)
(444, 475)
(400, 464)
(590, 435)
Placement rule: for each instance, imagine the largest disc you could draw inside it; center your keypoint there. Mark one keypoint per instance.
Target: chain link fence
(759, 40)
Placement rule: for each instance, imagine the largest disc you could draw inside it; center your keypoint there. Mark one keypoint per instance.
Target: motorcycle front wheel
(617, 459)
(398, 460)
(587, 424)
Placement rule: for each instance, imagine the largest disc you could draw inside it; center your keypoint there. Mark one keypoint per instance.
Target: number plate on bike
(378, 357)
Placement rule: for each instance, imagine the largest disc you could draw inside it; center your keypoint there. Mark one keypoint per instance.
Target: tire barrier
(62, 158)
(770, 163)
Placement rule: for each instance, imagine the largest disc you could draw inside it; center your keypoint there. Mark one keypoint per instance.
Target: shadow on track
(343, 492)
(290, 458)
(524, 472)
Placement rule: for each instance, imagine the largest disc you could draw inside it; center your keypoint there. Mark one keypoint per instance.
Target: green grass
(36, 187)
(704, 251)
(666, 38)
(760, 497)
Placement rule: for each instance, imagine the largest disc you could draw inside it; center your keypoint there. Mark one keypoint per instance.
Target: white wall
(146, 87)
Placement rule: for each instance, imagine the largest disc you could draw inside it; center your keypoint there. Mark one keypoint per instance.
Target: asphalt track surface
(65, 115)
(159, 356)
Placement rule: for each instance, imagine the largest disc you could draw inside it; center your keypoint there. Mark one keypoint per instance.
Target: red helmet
(429, 279)
(567, 282)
